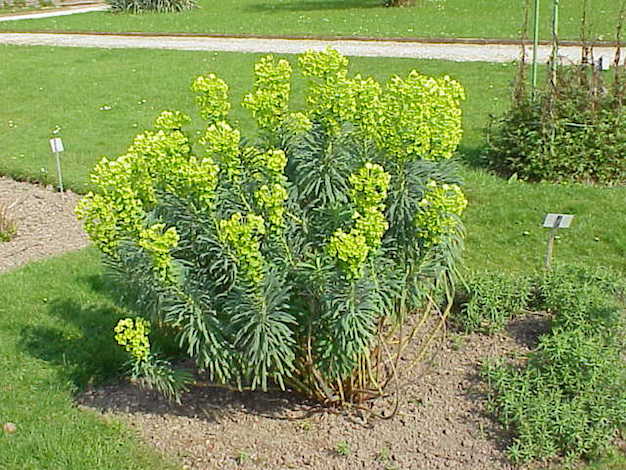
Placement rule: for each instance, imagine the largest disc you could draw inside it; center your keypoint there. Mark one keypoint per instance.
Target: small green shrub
(159, 6)
(569, 399)
(572, 131)
(488, 301)
(8, 227)
(288, 259)
(573, 128)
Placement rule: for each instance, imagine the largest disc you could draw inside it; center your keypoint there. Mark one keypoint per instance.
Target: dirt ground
(442, 423)
(45, 220)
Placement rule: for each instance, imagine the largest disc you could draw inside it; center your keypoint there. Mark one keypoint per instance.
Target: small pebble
(9, 428)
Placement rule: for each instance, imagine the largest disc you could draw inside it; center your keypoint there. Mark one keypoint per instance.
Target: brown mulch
(442, 423)
(45, 220)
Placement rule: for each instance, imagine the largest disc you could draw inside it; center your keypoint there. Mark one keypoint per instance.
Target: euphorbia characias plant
(289, 259)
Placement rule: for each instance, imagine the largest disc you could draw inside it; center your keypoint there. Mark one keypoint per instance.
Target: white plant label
(56, 145)
(558, 220)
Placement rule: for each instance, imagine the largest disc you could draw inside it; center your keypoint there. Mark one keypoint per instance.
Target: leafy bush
(287, 260)
(160, 6)
(8, 228)
(569, 399)
(488, 301)
(573, 130)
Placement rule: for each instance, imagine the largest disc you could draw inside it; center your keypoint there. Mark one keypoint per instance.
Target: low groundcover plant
(292, 259)
(568, 399)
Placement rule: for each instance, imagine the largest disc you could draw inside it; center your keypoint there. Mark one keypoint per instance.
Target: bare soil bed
(442, 423)
(46, 224)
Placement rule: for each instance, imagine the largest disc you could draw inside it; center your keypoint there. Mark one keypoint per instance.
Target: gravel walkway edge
(50, 14)
(363, 48)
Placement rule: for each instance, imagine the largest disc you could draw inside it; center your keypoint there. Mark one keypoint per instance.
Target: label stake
(56, 144)
(554, 222)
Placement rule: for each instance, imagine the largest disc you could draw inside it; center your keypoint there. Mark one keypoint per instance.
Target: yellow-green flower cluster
(198, 180)
(269, 99)
(171, 120)
(268, 168)
(211, 98)
(275, 161)
(439, 207)
(369, 186)
(334, 98)
(350, 249)
(421, 117)
(163, 161)
(127, 187)
(372, 224)
(243, 236)
(117, 211)
(132, 334)
(157, 159)
(368, 194)
(222, 142)
(412, 118)
(271, 199)
(160, 147)
(325, 64)
(159, 243)
(297, 123)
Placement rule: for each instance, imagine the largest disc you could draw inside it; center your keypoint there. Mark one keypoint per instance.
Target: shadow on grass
(314, 5)
(473, 157)
(82, 343)
(79, 342)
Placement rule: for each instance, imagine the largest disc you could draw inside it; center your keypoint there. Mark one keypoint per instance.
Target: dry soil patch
(46, 224)
(442, 424)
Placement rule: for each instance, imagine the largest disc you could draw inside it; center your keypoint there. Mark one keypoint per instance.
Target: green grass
(504, 224)
(55, 324)
(615, 461)
(428, 18)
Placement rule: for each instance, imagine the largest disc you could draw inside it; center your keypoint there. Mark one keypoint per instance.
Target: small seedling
(306, 425)
(8, 227)
(384, 454)
(415, 401)
(343, 448)
(457, 342)
(242, 457)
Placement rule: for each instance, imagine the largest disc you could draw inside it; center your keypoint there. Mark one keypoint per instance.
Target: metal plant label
(56, 144)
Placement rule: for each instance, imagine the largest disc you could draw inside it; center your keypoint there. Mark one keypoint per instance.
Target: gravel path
(49, 14)
(416, 50)
(45, 220)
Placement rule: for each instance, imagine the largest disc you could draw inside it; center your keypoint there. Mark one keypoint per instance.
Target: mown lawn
(55, 337)
(428, 18)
